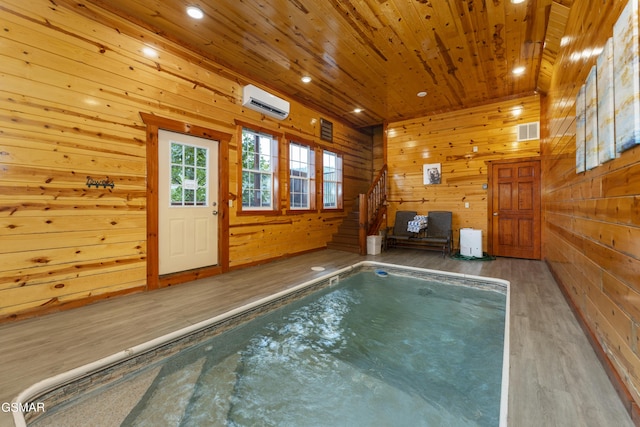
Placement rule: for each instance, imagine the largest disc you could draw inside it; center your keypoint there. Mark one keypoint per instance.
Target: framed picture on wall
(580, 129)
(591, 122)
(627, 78)
(432, 173)
(606, 112)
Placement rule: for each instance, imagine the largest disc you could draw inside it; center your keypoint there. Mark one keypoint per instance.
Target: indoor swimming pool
(373, 344)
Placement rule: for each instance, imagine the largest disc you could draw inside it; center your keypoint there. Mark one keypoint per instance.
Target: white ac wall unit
(265, 103)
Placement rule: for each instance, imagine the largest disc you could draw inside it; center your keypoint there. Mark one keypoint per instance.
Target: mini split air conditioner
(265, 103)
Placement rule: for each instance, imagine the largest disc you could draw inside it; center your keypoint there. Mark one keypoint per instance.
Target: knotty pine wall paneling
(448, 139)
(73, 82)
(591, 220)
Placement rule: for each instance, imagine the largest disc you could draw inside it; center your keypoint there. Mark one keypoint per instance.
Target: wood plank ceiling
(376, 55)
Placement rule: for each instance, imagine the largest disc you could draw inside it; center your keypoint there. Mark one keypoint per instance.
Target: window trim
(340, 191)
(313, 182)
(276, 142)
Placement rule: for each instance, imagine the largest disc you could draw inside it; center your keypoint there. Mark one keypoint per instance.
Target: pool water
(370, 351)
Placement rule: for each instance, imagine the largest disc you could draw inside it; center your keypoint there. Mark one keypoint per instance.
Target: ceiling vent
(529, 131)
(263, 102)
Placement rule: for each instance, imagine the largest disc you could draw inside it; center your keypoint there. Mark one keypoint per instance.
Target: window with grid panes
(331, 180)
(301, 177)
(259, 170)
(189, 175)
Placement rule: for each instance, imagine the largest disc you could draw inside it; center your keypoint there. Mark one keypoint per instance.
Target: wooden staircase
(347, 238)
(365, 219)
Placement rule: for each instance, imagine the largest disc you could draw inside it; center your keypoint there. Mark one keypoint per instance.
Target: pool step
(211, 403)
(166, 401)
(198, 394)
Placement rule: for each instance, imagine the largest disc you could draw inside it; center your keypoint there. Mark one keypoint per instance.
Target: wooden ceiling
(376, 55)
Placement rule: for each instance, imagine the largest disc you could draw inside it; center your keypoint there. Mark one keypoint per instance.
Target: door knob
(495, 214)
(215, 212)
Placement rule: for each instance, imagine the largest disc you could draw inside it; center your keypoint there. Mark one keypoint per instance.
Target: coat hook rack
(104, 183)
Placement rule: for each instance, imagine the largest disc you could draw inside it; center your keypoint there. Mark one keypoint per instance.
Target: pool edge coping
(62, 378)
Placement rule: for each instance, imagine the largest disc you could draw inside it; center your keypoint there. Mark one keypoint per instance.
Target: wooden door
(187, 202)
(514, 209)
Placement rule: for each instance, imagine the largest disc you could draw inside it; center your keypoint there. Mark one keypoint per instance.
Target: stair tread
(346, 236)
(172, 391)
(344, 247)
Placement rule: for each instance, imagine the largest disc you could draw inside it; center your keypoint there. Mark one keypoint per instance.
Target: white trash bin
(374, 245)
(471, 242)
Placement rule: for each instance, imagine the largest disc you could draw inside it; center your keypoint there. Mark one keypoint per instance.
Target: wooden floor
(555, 377)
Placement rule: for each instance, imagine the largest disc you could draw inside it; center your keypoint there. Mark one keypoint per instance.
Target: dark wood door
(514, 209)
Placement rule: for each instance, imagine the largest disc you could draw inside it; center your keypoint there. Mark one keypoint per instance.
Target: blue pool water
(370, 351)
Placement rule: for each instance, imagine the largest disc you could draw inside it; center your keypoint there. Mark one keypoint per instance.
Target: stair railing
(372, 209)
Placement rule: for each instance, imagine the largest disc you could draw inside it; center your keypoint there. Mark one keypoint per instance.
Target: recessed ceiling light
(518, 70)
(305, 79)
(517, 1)
(357, 110)
(149, 52)
(195, 12)
(422, 94)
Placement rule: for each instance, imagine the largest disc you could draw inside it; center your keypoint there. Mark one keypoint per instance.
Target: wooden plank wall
(448, 139)
(73, 83)
(591, 224)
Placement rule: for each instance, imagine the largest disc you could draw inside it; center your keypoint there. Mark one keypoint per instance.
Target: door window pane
(189, 175)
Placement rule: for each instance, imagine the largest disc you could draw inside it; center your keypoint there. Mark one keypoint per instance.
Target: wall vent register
(529, 131)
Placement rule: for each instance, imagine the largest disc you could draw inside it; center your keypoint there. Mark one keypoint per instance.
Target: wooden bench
(438, 234)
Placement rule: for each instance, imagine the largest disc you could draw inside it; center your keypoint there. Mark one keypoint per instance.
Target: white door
(187, 202)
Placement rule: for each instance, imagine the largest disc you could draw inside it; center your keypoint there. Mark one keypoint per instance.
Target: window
(332, 180)
(301, 177)
(259, 170)
(189, 171)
